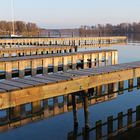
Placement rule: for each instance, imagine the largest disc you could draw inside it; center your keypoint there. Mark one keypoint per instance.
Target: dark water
(58, 127)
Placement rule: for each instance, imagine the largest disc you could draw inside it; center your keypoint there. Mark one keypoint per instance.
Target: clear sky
(71, 13)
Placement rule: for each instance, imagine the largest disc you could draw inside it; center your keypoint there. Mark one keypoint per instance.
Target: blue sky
(71, 13)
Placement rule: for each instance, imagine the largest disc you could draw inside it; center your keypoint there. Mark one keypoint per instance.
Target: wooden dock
(42, 63)
(61, 41)
(25, 90)
(35, 50)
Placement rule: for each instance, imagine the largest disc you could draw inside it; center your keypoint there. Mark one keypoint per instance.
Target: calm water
(58, 127)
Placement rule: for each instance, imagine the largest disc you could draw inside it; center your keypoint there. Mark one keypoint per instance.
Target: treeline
(108, 29)
(21, 28)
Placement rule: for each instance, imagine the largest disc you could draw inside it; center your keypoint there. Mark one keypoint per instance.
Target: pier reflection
(124, 126)
(38, 110)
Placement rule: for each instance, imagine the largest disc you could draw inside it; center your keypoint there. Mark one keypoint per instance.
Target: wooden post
(138, 116)
(34, 67)
(65, 103)
(65, 63)
(8, 70)
(110, 88)
(86, 112)
(85, 42)
(121, 87)
(110, 126)
(55, 65)
(106, 59)
(79, 43)
(120, 122)
(99, 90)
(74, 62)
(46, 108)
(100, 56)
(23, 111)
(14, 113)
(21, 68)
(55, 105)
(138, 82)
(85, 61)
(74, 110)
(99, 130)
(69, 99)
(45, 66)
(130, 85)
(116, 57)
(85, 133)
(129, 118)
(36, 107)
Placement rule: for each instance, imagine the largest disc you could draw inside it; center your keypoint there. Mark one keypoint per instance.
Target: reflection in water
(24, 114)
(114, 128)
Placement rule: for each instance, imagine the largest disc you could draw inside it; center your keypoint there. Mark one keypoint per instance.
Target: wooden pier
(31, 65)
(20, 51)
(25, 90)
(61, 41)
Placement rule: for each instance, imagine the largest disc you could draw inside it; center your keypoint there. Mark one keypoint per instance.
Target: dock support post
(116, 57)
(120, 122)
(85, 62)
(138, 82)
(36, 107)
(46, 108)
(8, 69)
(55, 65)
(110, 126)
(74, 62)
(86, 112)
(112, 58)
(99, 130)
(65, 63)
(14, 112)
(100, 59)
(21, 65)
(138, 116)
(110, 88)
(121, 87)
(129, 118)
(23, 111)
(34, 67)
(45, 66)
(106, 59)
(130, 85)
(55, 105)
(65, 103)
(74, 111)
(99, 90)
(69, 99)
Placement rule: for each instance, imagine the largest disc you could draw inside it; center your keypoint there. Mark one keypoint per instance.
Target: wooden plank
(16, 84)
(47, 78)
(62, 75)
(8, 87)
(57, 76)
(41, 80)
(2, 91)
(26, 81)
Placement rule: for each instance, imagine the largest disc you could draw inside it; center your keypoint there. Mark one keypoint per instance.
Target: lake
(58, 127)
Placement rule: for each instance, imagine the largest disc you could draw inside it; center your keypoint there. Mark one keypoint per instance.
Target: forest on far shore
(32, 29)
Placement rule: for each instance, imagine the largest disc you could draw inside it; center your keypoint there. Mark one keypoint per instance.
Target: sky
(71, 13)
